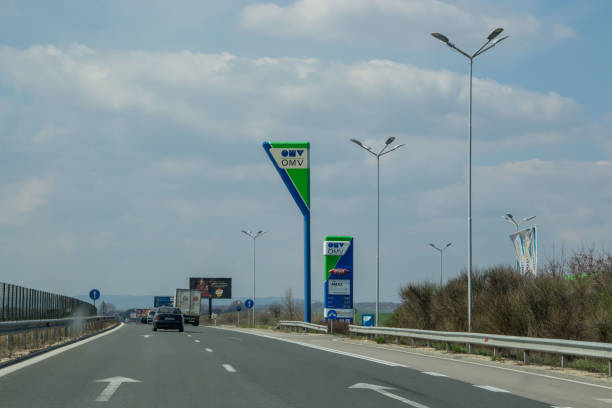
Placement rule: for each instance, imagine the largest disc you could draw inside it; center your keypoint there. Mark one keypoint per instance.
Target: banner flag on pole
(525, 242)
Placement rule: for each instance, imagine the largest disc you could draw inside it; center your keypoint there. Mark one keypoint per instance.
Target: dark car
(168, 318)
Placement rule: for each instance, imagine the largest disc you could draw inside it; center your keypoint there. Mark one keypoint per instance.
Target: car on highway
(151, 315)
(169, 318)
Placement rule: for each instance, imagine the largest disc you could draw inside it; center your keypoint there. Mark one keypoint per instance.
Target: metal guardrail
(19, 303)
(526, 344)
(24, 325)
(303, 325)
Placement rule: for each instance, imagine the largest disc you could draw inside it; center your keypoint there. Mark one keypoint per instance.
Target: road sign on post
(249, 303)
(338, 285)
(292, 162)
(367, 320)
(94, 295)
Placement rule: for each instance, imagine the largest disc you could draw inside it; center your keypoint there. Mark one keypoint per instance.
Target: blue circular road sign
(332, 315)
(238, 308)
(94, 294)
(249, 303)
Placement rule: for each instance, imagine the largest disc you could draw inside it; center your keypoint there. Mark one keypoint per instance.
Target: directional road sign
(249, 303)
(332, 315)
(94, 294)
(238, 308)
(367, 320)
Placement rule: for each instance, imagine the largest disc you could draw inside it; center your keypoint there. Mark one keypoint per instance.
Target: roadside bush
(568, 301)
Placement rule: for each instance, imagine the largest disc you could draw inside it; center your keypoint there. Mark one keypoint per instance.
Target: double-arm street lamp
(254, 236)
(441, 250)
(382, 152)
(490, 43)
(511, 219)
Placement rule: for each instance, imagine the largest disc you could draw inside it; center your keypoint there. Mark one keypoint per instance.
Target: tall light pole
(441, 262)
(382, 152)
(510, 218)
(254, 236)
(491, 42)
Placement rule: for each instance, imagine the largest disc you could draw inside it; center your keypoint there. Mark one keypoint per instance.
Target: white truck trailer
(188, 300)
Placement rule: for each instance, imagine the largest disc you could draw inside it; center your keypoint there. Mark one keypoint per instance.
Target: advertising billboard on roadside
(215, 288)
(159, 301)
(338, 286)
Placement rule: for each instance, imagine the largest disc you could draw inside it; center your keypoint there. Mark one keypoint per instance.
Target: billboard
(525, 243)
(338, 287)
(159, 301)
(215, 288)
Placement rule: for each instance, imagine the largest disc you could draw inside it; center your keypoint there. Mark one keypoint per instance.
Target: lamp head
(495, 33)
(440, 37)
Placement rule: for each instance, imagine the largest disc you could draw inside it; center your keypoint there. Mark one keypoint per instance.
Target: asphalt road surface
(135, 367)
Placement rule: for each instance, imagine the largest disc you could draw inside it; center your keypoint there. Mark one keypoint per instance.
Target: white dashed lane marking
(490, 388)
(229, 368)
(434, 374)
(209, 350)
(197, 341)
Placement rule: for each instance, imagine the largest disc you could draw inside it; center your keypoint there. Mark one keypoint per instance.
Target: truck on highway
(188, 300)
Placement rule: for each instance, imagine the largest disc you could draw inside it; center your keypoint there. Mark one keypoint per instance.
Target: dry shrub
(505, 302)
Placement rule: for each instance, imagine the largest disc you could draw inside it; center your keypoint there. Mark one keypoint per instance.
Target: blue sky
(131, 132)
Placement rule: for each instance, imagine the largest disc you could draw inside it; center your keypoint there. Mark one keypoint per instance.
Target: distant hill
(124, 302)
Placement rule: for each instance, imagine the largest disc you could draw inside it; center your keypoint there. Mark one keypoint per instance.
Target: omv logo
(290, 158)
(292, 153)
(335, 247)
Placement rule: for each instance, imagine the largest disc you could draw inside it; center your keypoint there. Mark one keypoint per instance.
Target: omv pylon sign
(292, 163)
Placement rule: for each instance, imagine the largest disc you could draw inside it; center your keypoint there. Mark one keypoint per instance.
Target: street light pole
(254, 236)
(441, 250)
(511, 219)
(382, 152)
(491, 42)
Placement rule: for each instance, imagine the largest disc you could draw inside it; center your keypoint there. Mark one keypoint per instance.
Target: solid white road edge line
(552, 377)
(44, 356)
(344, 353)
(229, 368)
(481, 364)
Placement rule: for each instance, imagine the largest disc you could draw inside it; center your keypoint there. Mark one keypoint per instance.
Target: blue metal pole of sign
(307, 267)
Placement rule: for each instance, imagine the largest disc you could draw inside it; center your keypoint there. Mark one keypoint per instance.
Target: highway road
(135, 367)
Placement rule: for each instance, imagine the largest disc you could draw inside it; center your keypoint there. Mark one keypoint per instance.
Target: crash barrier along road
(564, 348)
(18, 337)
(302, 325)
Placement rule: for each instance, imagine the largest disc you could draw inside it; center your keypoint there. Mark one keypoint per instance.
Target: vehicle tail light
(157, 317)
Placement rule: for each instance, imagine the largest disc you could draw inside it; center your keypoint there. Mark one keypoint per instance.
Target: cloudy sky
(130, 137)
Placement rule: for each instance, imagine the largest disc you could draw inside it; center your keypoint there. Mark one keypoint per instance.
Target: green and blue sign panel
(338, 287)
(292, 162)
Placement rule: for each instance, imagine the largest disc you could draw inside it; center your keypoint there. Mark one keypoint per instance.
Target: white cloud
(402, 22)
(158, 163)
(23, 198)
